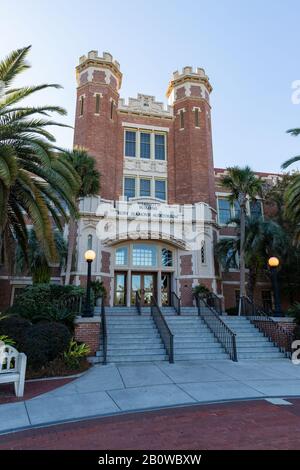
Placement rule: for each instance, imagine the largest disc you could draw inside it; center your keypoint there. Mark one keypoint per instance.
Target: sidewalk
(115, 389)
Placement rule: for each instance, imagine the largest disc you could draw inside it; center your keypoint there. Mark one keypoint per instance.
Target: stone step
(129, 337)
(200, 356)
(261, 355)
(138, 349)
(205, 349)
(140, 358)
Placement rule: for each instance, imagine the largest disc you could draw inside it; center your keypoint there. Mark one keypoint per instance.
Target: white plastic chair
(12, 368)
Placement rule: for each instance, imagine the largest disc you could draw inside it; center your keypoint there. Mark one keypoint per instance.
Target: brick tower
(188, 92)
(96, 122)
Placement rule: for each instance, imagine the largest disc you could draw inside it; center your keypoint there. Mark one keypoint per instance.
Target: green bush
(46, 302)
(201, 290)
(44, 342)
(294, 311)
(75, 353)
(16, 328)
(7, 340)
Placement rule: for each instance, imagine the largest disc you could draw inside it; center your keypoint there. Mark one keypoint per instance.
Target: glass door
(144, 283)
(165, 289)
(120, 289)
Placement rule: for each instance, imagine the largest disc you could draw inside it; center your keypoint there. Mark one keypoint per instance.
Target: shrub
(45, 301)
(44, 342)
(74, 355)
(98, 289)
(7, 340)
(201, 290)
(294, 311)
(15, 328)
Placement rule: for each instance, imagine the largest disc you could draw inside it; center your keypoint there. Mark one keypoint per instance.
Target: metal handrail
(104, 331)
(214, 302)
(218, 327)
(138, 302)
(163, 329)
(270, 328)
(176, 302)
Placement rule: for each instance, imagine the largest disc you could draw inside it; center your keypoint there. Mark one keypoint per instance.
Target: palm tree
(35, 180)
(243, 185)
(292, 193)
(263, 238)
(84, 164)
(35, 260)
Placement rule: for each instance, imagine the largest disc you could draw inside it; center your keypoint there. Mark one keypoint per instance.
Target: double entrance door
(145, 284)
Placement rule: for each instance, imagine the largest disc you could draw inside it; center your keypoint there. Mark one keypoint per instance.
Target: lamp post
(273, 263)
(89, 255)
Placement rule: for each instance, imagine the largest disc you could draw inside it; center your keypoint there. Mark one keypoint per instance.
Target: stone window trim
(180, 114)
(152, 180)
(153, 132)
(112, 108)
(95, 96)
(196, 110)
(81, 100)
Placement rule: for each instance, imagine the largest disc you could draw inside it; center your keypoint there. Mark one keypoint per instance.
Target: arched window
(90, 242)
(166, 257)
(203, 252)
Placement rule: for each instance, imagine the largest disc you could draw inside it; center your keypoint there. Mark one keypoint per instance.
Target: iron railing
(218, 327)
(163, 329)
(214, 302)
(176, 303)
(104, 331)
(267, 325)
(72, 303)
(138, 302)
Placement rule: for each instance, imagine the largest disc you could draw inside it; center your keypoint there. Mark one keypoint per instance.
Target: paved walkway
(112, 389)
(240, 425)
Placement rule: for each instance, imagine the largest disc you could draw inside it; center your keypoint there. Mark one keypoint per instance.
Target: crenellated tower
(96, 122)
(188, 93)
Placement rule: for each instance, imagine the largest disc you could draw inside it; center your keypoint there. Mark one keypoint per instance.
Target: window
(81, 105)
(145, 145)
(255, 208)
(129, 187)
(266, 298)
(143, 255)
(111, 109)
(90, 242)
(197, 117)
(203, 252)
(181, 119)
(160, 189)
(237, 209)
(130, 144)
(166, 257)
(224, 211)
(145, 188)
(97, 106)
(159, 147)
(122, 256)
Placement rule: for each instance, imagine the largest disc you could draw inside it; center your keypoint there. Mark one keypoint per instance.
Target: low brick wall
(87, 330)
(281, 335)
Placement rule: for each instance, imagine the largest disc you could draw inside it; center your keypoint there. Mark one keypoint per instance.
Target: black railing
(218, 327)
(163, 329)
(175, 302)
(267, 325)
(72, 303)
(103, 331)
(214, 302)
(138, 302)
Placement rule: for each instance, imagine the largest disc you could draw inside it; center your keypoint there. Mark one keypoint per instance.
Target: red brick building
(156, 166)
(160, 209)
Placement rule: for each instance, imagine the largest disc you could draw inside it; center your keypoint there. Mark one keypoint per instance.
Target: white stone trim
(140, 127)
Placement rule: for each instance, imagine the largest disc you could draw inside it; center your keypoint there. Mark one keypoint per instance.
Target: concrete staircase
(192, 338)
(132, 337)
(251, 343)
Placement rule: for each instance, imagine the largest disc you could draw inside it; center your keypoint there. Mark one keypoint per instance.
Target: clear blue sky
(249, 49)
